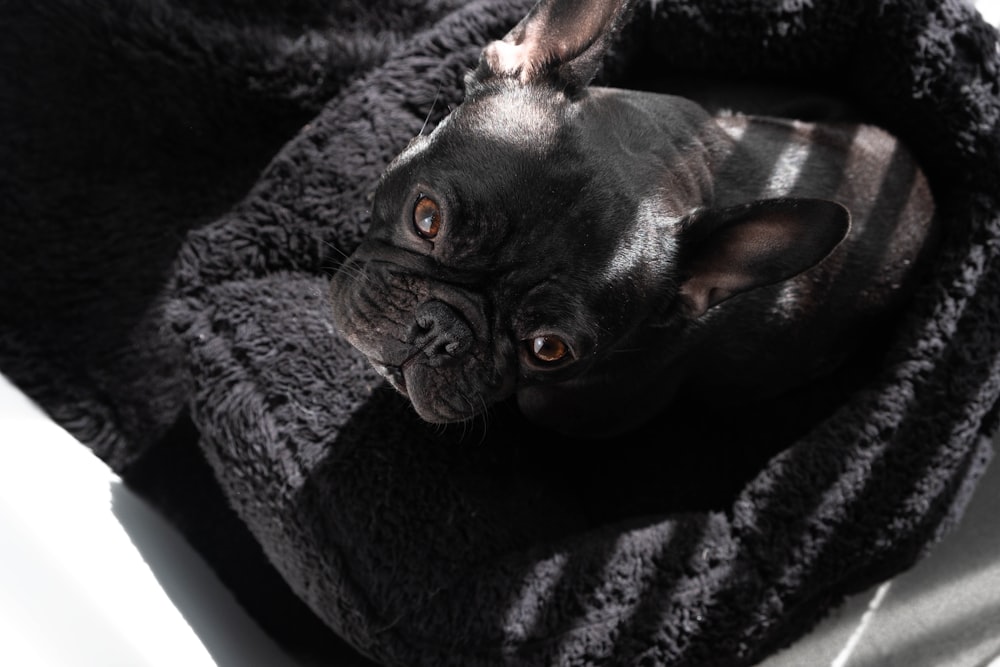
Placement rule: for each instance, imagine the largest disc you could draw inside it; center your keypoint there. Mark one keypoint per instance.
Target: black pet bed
(164, 272)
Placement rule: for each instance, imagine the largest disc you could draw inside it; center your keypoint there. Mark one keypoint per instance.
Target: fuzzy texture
(164, 295)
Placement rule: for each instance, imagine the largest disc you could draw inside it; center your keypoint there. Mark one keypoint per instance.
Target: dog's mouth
(394, 374)
(435, 397)
(445, 394)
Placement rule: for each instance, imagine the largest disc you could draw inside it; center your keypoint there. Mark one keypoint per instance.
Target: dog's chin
(432, 412)
(423, 388)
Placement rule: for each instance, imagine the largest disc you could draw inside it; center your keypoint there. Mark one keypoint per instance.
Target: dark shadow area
(109, 159)
(693, 457)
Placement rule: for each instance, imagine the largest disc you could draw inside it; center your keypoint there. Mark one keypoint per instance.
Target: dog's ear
(561, 41)
(724, 252)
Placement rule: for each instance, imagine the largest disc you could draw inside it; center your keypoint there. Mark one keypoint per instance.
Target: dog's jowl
(595, 251)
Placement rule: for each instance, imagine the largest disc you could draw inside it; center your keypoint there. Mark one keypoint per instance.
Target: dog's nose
(440, 332)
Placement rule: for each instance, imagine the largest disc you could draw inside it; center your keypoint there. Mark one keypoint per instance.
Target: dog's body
(598, 250)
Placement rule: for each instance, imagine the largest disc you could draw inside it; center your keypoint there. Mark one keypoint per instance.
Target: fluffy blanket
(178, 181)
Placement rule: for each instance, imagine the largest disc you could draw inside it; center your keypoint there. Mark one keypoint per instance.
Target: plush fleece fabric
(178, 180)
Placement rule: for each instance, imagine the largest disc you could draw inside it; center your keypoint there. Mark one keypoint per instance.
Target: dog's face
(509, 261)
(547, 238)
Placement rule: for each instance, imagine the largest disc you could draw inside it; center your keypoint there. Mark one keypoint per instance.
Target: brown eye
(426, 217)
(548, 349)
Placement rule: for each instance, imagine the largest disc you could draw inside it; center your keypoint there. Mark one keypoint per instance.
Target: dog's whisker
(335, 248)
(354, 270)
(485, 420)
(354, 274)
(467, 421)
(430, 112)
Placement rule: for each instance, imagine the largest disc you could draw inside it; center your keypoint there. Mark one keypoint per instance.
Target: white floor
(74, 589)
(76, 592)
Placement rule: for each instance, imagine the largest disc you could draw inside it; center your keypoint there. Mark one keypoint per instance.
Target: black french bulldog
(596, 251)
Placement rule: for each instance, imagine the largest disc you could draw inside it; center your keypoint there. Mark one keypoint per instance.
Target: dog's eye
(426, 217)
(548, 349)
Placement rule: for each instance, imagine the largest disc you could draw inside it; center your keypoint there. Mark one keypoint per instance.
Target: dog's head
(542, 228)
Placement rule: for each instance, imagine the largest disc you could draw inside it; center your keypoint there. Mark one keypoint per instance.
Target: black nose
(440, 332)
